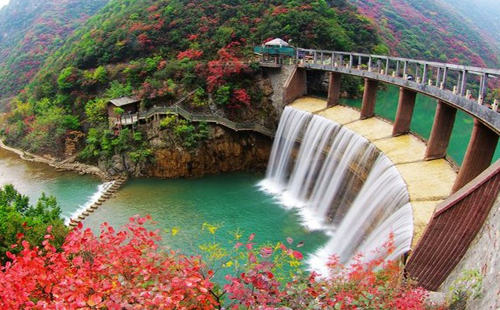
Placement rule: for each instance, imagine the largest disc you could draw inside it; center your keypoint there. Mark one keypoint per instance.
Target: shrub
(128, 269)
(20, 221)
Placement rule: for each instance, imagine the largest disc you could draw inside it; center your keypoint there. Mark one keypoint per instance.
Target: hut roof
(119, 102)
(276, 42)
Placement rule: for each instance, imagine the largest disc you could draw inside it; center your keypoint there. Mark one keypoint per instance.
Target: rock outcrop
(224, 151)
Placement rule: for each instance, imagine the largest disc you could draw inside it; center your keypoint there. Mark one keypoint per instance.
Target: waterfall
(341, 183)
(286, 137)
(101, 189)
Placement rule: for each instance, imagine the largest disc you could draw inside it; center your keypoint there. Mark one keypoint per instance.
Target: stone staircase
(118, 183)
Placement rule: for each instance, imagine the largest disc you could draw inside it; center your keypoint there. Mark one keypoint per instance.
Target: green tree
(20, 220)
(69, 78)
(96, 111)
(100, 75)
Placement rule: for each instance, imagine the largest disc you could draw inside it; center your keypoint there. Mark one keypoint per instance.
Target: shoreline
(66, 165)
(82, 169)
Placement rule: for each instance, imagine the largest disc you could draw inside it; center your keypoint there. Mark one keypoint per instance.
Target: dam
(454, 207)
(428, 182)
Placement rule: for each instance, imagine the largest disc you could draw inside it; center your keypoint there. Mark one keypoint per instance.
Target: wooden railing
(176, 109)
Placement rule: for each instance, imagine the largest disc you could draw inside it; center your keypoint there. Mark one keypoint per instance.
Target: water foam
(339, 183)
(101, 189)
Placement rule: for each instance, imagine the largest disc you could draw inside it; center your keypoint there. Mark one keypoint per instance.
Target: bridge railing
(467, 81)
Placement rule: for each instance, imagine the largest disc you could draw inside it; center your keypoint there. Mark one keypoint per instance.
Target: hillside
(160, 50)
(31, 30)
(430, 30)
(482, 13)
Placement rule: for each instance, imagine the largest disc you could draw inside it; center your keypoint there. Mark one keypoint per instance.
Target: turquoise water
(423, 117)
(231, 200)
(32, 179)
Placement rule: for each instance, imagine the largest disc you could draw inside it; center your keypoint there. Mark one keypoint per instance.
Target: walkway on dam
(429, 182)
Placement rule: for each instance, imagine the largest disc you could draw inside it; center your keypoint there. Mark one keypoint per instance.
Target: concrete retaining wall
(483, 255)
(295, 86)
(278, 78)
(455, 224)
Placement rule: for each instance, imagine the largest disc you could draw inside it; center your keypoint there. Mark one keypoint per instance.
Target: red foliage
(151, 90)
(128, 270)
(241, 96)
(190, 54)
(220, 70)
(161, 65)
(117, 270)
(28, 121)
(279, 10)
(152, 8)
(144, 40)
(139, 26)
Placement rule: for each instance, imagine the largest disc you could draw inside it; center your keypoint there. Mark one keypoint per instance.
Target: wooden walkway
(177, 110)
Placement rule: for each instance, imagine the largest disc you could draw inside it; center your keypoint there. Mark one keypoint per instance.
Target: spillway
(340, 183)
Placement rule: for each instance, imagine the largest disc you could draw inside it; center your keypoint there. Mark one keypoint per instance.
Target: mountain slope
(428, 29)
(31, 30)
(160, 50)
(483, 13)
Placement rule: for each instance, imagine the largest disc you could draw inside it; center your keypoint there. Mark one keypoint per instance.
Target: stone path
(104, 197)
(429, 182)
(66, 165)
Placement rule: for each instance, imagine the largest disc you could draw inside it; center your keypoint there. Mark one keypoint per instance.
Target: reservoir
(233, 201)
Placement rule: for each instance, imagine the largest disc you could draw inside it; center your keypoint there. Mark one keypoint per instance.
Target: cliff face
(224, 151)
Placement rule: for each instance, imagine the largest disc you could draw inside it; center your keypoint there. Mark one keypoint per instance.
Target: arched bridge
(457, 220)
(450, 83)
(454, 86)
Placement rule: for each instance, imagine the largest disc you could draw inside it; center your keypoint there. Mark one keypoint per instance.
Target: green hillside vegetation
(429, 30)
(483, 14)
(160, 50)
(31, 31)
(21, 221)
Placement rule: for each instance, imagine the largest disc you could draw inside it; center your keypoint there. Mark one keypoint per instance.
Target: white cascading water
(340, 183)
(101, 189)
(286, 137)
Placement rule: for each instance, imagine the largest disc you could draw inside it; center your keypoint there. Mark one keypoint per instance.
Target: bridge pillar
(441, 131)
(334, 89)
(405, 111)
(478, 156)
(369, 99)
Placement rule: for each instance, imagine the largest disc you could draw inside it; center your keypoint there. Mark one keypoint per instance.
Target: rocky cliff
(223, 150)
(224, 153)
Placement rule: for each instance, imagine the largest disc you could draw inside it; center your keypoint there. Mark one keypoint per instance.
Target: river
(231, 200)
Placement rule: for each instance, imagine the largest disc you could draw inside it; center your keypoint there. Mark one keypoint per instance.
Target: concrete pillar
(478, 156)
(295, 86)
(334, 89)
(441, 131)
(405, 111)
(369, 99)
